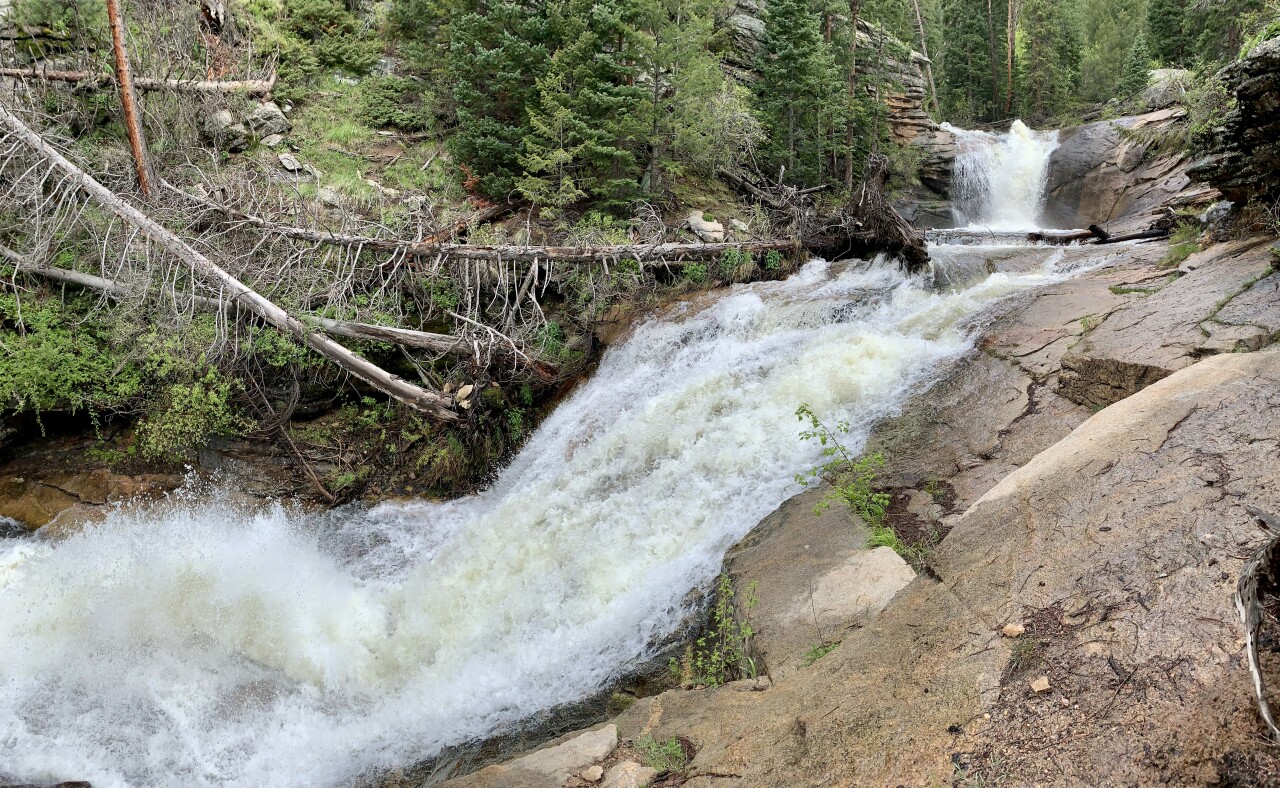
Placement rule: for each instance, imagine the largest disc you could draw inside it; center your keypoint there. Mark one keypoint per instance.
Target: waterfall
(998, 180)
(193, 642)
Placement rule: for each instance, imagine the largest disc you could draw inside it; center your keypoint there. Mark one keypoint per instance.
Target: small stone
(329, 197)
(1040, 685)
(757, 684)
(465, 391)
(593, 774)
(1013, 630)
(629, 774)
(290, 162)
(273, 140)
(740, 225)
(1065, 702)
(986, 716)
(224, 131)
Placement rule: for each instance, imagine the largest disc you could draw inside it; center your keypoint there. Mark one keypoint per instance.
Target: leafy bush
(188, 415)
(695, 273)
(349, 51)
(76, 19)
(314, 19)
(722, 654)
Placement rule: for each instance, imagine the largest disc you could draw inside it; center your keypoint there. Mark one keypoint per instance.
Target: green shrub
(349, 51)
(188, 415)
(695, 273)
(662, 756)
(395, 101)
(722, 654)
(75, 19)
(314, 19)
(817, 651)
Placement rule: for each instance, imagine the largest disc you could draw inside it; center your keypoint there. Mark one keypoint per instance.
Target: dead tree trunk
(238, 293)
(249, 87)
(129, 99)
(924, 50)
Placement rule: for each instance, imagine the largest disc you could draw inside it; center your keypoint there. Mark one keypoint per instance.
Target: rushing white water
(998, 180)
(195, 643)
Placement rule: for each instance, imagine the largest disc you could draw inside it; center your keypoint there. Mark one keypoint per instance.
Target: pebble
(290, 162)
(1040, 685)
(592, 774)
(273, 140)
(1013, 630)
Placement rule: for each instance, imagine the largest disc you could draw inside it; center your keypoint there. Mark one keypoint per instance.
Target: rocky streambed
(1076, 624)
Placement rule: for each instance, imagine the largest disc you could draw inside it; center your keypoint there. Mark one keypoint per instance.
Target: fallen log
(249, 87)
(430, 402)
(442, 344)
(1064, 237)
(1142, 236)
(651, 255)
(1259, 578)
(868, 223)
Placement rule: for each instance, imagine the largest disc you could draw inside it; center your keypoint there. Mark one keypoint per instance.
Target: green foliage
(852, 479)
(1184, 242)
(1170, 38)
(51, 361)
(187, 415)
(1050, 59)
(662, 756)
(972, 79)
(772, 260)
(723, 654)
(695, 273)
(76, 19)
(1137, 68)
(817, 651)
(395, 101)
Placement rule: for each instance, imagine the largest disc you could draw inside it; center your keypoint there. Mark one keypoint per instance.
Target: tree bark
(129, 99)
(924, 50)
(421, 399)
(249, 87)
(850, 129)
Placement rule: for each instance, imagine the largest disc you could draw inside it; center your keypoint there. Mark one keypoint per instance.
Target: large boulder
(1244, 156)
(1104, 172)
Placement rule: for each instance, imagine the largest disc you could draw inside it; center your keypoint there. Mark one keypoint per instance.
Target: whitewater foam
(196, 643)
(998, 181)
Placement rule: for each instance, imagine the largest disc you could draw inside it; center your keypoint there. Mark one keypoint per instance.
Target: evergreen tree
(1137, 68)
(590, 99)
(966, 63)
(1050, 58)
(496, 49)
(1109, 28)
(1167, 26)
(797, 83)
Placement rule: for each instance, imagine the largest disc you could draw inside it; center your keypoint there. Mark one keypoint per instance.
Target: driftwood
(1260, 577)
(1064, 237)
(1142, 236)
(869, 223)
(237, 292)
(249, 87)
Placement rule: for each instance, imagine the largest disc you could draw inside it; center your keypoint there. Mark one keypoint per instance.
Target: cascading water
(998, 180)
(195, 643)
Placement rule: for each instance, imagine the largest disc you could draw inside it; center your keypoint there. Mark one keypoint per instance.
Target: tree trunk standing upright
(855, 8)
(129, 98)
(1012, 38)
(995, 60)
(924, 50)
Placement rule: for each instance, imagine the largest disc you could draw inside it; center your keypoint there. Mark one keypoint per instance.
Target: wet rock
(708, 230)
(629, 774)
(11, 529)
(267, 119)
(550, 767)
(224, 131)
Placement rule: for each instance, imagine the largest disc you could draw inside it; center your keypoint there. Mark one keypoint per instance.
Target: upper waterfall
(998, 180)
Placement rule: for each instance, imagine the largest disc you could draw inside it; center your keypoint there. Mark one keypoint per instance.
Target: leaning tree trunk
(129, 98)
(236, 291)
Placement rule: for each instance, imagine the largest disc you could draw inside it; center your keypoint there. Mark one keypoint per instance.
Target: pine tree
(798, 78)
(1109, 29)
(495, 49)
(967, 64)
(1137, 68)
(1167, 26)
(591, 99)
(1051, 58)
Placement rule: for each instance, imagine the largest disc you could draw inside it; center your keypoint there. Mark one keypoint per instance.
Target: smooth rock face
(629, 774)
(550, 767)
(814, 579)
(1098, 175)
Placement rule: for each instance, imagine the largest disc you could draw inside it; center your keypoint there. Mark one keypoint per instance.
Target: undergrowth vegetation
(723, 653)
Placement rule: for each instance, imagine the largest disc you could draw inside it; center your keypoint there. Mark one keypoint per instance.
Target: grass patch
(1024, 653)
(663, 756)
(1127, 290)
(817, 651)
(1182, 244)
